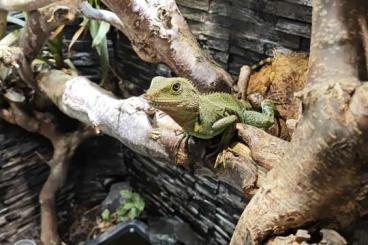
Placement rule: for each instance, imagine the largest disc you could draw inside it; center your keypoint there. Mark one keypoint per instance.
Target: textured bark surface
(233, 32)
(160, 34)
(325, 162)
(42, 22)
(130, 121)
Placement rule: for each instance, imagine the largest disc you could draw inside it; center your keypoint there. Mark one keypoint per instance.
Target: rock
(302, 236)
(331, 237)
(170, 231)
(114, 199)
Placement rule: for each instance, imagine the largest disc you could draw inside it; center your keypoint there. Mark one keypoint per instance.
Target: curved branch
(131, 122)
(125, 120)
(101, 14)
(266, 149)
(41, 23)
(160, 34)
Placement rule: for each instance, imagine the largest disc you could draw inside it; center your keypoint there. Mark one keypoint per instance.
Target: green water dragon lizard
(205, 115)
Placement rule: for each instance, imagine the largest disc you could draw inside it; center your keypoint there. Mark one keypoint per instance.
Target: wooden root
(321, 174)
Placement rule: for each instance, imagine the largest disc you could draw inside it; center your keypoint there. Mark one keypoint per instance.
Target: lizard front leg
(264, 119)
(227, 126)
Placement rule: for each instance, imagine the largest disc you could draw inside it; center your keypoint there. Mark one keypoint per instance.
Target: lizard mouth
(163, 105)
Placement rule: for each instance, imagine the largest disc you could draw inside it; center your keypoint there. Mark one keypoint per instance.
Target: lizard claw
(221, 159)
(155, 134)
(236, 148)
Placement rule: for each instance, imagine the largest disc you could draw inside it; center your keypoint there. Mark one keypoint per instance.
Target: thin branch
(243, 81)
(101, 14)
(364, 33)
(3, 22)
(14, 57)
(64, 148)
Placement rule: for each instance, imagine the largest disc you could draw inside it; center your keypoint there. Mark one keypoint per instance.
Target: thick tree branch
(159, 33)
(125, 120)
(266, 149)
(13, 57)
(42, 22)
(321, 175)
(131, 122)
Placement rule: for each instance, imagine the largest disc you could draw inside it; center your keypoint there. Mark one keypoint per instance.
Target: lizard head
(173, 95)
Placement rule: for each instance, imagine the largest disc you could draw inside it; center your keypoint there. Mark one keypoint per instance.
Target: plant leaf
(126, 194)
(133, 213)
(101, 48)
(101, 32)
(105, 215)
(11, 38)
(16, 21)
(77, 34)
(56, 48)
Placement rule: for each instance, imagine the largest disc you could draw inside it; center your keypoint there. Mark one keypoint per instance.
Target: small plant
(132, 208)
(106, 215)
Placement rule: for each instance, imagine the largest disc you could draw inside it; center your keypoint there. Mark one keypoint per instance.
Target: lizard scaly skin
(205, 115)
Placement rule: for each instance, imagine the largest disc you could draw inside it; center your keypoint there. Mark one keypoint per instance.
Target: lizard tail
(266, 61)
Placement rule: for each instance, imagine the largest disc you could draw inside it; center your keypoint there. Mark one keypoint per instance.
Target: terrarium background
(235, 33)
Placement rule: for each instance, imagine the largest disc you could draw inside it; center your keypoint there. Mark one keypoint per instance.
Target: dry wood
(159, 33)
(320, 175)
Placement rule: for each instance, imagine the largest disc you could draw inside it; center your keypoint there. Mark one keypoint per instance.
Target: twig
(101, 14)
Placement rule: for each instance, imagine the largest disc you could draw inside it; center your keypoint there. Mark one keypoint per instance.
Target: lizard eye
(176, 87)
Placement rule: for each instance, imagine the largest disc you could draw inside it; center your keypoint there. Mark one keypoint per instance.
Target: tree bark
(325, 160)
(159, 33)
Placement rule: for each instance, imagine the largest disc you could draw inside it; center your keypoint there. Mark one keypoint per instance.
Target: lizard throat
(174, 106)
(182, 113)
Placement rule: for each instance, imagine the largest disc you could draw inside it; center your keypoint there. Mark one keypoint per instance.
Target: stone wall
(22, 173)
(210, 205)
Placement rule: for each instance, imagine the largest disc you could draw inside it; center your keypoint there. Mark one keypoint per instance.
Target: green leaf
(105, 215)
(126, 194)
(11, 38)
(101, 46)
(77, 34)
(56, 48)
(140, 204)
(101, 32)
(15, 20)
(133, 213)
(127, 206)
